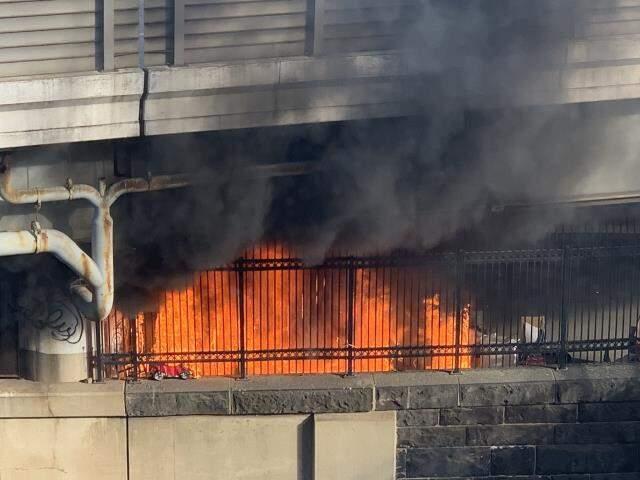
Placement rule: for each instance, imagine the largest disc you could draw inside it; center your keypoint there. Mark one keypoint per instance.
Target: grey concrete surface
(354, 447)
(201, 447)
(63, 449)
(53, 367)
(25, 399)
(51, 109)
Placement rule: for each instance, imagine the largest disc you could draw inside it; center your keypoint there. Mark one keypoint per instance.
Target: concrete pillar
(53, 340)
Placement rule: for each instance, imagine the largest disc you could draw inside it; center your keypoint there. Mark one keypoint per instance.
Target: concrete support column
(53, 342)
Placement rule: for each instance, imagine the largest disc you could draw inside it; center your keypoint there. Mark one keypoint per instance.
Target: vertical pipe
(458, 308)
(178, 32)
(242, 321)
(562, 360)
(351, 292)
(108, 36)
(102, 253)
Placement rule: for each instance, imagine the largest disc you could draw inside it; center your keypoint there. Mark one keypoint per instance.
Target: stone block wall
(523, 424)
(580, 424)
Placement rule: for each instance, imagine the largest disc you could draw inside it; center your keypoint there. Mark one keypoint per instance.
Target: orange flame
(298, 309)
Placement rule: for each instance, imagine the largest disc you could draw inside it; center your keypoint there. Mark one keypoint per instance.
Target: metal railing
(269, 313)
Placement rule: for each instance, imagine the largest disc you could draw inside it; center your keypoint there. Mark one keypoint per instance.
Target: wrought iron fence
(269, 313)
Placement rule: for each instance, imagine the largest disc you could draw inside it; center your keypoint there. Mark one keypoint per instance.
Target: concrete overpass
(79, 70)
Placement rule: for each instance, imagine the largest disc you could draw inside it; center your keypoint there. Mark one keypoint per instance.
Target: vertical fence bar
(459, 266)
(562, 354)
(99, 360)
(178, 32)
(241, 321)
(351, 292)
(315, 27)
(133, 329)
(108, 36)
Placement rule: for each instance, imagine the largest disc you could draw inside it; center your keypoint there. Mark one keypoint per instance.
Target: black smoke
(415, 182)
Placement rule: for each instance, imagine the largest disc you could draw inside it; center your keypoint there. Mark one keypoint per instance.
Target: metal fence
(269, 313)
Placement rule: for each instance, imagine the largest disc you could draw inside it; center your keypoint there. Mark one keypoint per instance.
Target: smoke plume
(385, 184)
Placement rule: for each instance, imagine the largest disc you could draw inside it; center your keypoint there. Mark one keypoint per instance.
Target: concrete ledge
(24, 399)
(270, 71)
(517, 386)
(70, 108)
(278, 91)
(473, 397)
(416, 390)
(302, 394)
(601, 383)
(480, 397)
(177, 397)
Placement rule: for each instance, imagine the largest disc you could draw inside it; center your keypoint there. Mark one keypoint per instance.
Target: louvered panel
(361, 25)
(609, 32)
(157, 31)
(47, 37)
(217, 30)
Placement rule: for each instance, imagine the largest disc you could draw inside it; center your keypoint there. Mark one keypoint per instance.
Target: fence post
(351, 292)
(178, 33)
(99, 366)
(562, 354)
(459, 272)
(315, 27)
(242, 321)
(108, 36)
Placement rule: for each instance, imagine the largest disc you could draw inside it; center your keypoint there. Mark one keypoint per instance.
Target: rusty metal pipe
(97, 269)
(56, 243)
(141, 185)
(82, 291)
(17, 243)
(42, 195)
(102, 253)
(69, 253)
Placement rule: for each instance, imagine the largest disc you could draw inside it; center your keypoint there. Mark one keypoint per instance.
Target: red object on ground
(159, 371)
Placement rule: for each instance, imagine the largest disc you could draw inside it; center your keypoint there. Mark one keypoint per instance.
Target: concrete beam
(24, 399)
(279, 91)
(70, 108)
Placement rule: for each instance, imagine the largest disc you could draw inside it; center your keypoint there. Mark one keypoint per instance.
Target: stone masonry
(579, 424)
(535, 423)
(524, 424)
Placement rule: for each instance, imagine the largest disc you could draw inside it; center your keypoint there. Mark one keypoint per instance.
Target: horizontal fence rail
(269, 313)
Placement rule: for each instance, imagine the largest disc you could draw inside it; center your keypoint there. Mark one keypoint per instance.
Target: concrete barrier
(355, 447)
(207, 447)
(63, 448)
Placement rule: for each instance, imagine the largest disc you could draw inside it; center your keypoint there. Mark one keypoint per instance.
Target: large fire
(289, 314)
